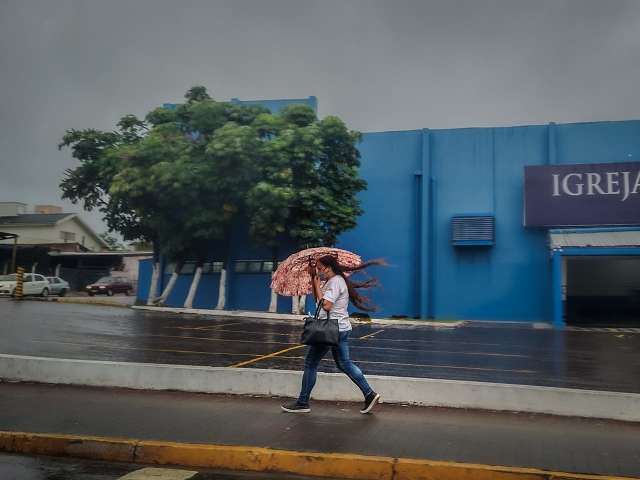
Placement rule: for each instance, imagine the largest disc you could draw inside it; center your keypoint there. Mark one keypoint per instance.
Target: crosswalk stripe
(159, 474)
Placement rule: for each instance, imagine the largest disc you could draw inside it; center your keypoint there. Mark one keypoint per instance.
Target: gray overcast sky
(380, 65)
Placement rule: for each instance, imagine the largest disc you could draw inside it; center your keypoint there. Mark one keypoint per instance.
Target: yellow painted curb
(346, 466)
(266, 460)
(114, 449)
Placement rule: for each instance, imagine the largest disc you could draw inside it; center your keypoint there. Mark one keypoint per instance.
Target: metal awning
(7, 236)
(110, 253)
(594, 237)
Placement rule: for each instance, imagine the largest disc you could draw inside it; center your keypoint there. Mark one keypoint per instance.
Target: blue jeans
(343, 362)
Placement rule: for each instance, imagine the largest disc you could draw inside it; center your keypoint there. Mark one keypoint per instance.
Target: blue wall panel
(388, 227)
(463, 173)
(144, 279)
(278, 104)
(180, 290)
(522, 270)
(250, 291)
(207, 294)
(601, 142)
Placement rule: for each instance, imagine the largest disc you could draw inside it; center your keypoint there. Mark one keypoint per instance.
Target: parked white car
(58, 286)
(34, 284)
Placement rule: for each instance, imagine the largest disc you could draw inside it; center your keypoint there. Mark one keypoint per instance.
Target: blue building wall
(144, 279)
(276, 105)
(467, 171)
(419, 179)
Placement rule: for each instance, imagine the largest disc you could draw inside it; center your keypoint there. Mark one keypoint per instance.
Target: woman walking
(335, 296)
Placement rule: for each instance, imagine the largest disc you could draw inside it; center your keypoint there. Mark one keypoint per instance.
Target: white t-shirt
(335, 290)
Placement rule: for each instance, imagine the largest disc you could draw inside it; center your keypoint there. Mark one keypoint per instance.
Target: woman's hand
(312, 268)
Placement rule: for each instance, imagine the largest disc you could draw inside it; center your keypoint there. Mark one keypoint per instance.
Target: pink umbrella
(291, 276)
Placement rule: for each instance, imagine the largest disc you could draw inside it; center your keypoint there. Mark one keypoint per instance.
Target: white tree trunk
(222, 290)
(188, 303)
(153, 288)
(303, 301)
(273, 305)
(168, 289)
(33, 267)
(295, 304)
(58, 266)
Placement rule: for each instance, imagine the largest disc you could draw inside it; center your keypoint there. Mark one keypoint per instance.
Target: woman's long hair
(360, 301)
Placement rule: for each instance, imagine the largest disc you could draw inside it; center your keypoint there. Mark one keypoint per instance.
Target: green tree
(113, 242)
(309, 181)
(183, 176)
(189, 175)
(90, 182)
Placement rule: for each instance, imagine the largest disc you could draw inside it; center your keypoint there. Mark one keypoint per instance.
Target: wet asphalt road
(26, 467)
(500, 353)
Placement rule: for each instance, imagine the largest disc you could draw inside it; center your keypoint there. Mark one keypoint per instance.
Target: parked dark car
(109, 286)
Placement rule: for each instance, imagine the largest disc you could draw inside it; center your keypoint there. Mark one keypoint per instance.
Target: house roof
(47, 220)
(34, 219)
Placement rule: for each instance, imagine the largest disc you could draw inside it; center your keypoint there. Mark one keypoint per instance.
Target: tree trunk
(155, 274)
(222, 289)
(273, 305)
(301, 306)
(153, 288)
(295, 304)
(194, 286)
(172, 282)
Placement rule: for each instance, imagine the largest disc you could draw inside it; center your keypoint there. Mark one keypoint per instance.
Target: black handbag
(320, 331)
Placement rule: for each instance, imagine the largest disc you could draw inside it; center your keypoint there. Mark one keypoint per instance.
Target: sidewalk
(252, 433)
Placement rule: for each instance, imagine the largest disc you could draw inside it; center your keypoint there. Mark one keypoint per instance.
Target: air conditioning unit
(473, 230)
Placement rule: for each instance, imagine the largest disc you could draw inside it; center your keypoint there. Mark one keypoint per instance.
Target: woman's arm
(317, 292)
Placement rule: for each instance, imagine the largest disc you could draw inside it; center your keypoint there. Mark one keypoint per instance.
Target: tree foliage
(185, 173)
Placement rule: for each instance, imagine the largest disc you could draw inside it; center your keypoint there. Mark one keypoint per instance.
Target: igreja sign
(582, 195)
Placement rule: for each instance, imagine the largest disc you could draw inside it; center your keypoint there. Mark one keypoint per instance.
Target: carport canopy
(595, 237)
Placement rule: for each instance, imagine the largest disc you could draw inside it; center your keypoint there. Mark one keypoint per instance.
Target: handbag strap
(317, 314)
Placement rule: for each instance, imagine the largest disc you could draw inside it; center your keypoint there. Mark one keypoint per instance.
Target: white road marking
(159, 474)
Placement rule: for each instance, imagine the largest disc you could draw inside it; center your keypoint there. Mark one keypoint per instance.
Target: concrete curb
(289, 316)
(331, 386)
(344, 466)
(82, 301)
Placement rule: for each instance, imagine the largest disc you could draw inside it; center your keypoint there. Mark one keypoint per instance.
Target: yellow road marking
(428, 365)
(249, 362)
(220, 339)
(274, 354)
(164, 350)
(208, 327)
(514, 346)
(279, 352)
(489, 354)
(371, 334)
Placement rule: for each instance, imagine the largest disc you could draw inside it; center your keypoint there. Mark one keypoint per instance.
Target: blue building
(446, 208)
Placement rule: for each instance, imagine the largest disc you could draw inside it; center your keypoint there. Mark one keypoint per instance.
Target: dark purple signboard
(582, 195)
